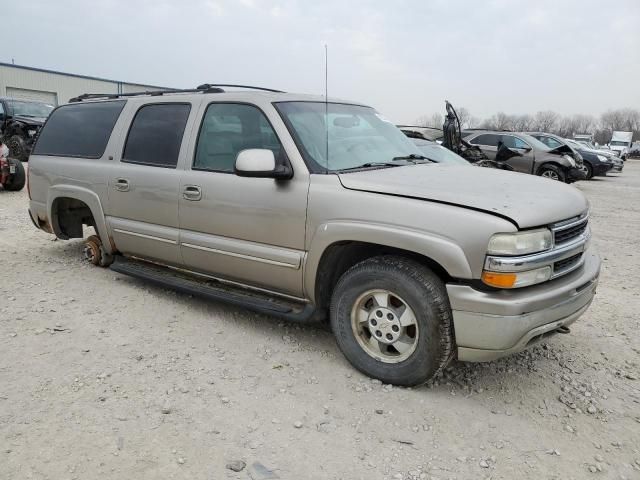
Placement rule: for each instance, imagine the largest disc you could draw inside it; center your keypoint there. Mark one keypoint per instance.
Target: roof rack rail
(204, 88)
(151, 93)
(250, 87)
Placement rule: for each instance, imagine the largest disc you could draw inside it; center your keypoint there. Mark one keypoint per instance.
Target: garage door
(34, 95)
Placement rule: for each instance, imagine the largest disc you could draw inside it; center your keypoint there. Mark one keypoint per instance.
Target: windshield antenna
(326, 102)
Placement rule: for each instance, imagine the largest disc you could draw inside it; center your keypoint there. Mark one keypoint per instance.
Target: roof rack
(204, 88)
(250, 87)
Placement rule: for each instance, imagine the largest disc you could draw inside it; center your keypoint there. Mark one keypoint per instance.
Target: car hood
(35, 121)
(526, 200)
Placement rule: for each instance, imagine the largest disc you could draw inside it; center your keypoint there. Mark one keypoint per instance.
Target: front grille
(567, 263)
(568, 234)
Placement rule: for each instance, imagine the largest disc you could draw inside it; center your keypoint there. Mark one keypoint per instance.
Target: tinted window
(227, 129)
(513, 142)
(78, 130)
(486, 139)
(156, 134)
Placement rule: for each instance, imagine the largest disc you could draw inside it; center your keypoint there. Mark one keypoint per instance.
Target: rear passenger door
(488, 143)
(249, 230)
(144, 183)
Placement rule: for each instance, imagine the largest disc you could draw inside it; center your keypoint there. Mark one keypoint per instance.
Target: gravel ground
(104, 376)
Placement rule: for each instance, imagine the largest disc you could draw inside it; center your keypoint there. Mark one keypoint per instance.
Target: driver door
(523, 163)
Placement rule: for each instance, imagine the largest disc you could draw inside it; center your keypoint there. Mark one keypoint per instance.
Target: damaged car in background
(533, 156)
(20, 121)
(594, 162)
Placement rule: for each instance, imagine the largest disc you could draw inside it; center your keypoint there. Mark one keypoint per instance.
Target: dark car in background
(533, 156)
(594, 163)
(20, 121)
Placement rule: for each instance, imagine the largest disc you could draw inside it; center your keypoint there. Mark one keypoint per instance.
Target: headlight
(570, 159)
(516, 279)
(520, 243)
(31, 132)
(603, 159)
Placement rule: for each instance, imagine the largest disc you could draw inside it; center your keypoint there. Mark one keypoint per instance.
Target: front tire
(552, 172)
(588, 169)
(392, 320)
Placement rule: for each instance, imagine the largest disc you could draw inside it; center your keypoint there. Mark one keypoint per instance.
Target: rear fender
(90, 199)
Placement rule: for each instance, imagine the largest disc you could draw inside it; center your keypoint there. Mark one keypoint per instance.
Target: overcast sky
(403, 57)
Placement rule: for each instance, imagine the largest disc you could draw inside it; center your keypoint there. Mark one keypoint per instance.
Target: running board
(214, 290)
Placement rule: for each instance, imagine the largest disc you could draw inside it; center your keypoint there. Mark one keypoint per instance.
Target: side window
(1, 112)
(486, 139)
(156, 133)
(551, 142)
(78, 129)
(226, 130)
(513, 142)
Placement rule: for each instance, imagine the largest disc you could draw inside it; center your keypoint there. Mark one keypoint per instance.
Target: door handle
(122, 185)
(192, 193)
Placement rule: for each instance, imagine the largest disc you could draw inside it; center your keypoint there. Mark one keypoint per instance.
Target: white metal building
(28, 83)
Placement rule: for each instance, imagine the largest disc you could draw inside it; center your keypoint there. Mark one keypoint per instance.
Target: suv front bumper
(490, 325)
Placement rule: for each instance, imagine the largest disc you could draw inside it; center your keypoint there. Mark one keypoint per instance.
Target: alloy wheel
(385, 326)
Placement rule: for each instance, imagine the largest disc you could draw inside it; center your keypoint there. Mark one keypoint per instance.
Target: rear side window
(486, 139)
(78, 130)
(156, 134)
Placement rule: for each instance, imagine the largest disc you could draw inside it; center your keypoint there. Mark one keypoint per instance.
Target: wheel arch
(70, 207)
(330, 257)
(555, 163)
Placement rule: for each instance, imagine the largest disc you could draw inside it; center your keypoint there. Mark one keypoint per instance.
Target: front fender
(90, 199)
(439, 249)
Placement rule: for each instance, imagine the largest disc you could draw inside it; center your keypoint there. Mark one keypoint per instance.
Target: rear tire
(405, 305)
(17, 180)
(552, 172)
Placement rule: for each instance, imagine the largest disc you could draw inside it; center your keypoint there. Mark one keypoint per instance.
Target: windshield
(574, 144)
(534, 142)
(356, 135)
(618, 144)
(29, 109)
(438, 153)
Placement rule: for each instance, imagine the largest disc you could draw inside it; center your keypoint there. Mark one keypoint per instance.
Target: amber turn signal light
(499, 280)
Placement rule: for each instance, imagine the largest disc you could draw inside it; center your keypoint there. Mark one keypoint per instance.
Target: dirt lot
(104, 376)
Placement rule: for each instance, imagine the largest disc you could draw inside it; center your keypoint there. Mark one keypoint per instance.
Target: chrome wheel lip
(377, 349)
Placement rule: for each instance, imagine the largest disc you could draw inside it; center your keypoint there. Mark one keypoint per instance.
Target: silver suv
(303, 209)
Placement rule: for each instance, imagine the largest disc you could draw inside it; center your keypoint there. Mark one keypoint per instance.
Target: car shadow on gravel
(315, 336)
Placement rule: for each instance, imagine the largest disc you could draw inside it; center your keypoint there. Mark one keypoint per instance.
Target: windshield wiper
(413, 156)
(374, 164)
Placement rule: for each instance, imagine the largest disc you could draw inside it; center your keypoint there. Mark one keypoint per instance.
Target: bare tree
(546, 121)
(464, 116)
(523, 123)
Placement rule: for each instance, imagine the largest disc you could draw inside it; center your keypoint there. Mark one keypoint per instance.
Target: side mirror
(260, 163)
